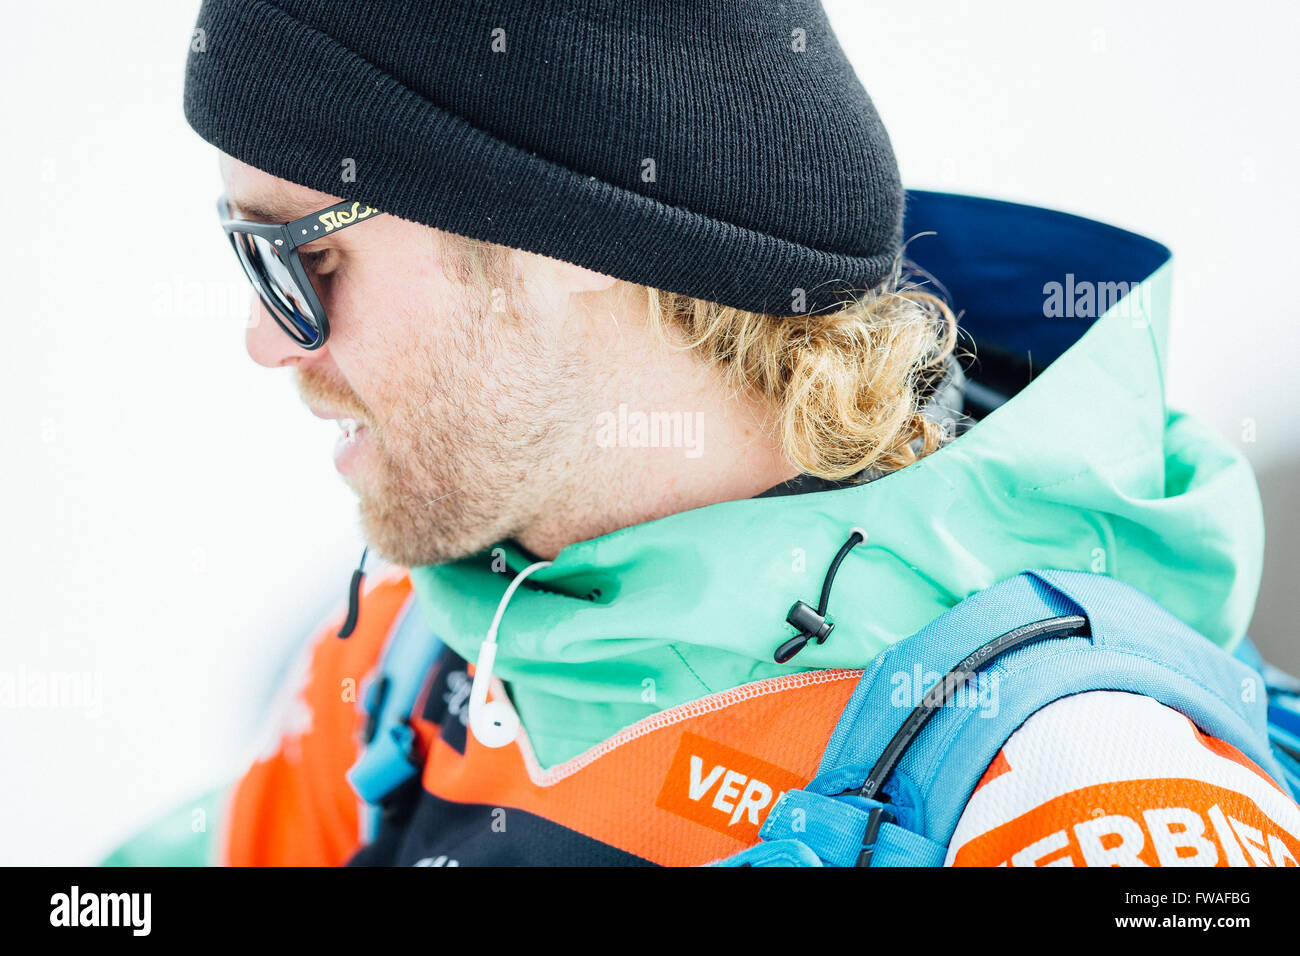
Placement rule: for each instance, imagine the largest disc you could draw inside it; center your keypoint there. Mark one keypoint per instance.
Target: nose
(268, 344)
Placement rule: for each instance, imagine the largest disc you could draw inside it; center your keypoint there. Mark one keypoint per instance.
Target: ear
(551, 284)
(574, 279)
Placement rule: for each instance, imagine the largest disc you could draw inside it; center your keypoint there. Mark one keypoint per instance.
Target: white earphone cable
(495, 724)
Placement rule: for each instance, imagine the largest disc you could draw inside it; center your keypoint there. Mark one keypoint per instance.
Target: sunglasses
(269, 254)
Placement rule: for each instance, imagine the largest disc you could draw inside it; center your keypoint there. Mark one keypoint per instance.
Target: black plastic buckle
(876, 817)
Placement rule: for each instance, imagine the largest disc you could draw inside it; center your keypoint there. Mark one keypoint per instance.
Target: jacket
(656, 726)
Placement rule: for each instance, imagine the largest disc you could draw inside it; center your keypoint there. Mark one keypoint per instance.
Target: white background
(147, 534)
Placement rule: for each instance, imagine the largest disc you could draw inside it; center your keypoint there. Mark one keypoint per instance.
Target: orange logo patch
(722, 788)
(1154, 822)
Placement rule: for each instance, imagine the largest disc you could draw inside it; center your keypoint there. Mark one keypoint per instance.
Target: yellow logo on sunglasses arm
(335, 218)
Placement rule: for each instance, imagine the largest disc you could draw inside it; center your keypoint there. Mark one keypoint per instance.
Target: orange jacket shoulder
(294, 806)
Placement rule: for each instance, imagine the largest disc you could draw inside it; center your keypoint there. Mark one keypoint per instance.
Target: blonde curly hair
(845, 390)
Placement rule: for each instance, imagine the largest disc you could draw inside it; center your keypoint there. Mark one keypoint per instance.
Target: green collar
(1083, 470)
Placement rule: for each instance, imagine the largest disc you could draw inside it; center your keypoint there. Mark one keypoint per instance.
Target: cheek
(398, 334)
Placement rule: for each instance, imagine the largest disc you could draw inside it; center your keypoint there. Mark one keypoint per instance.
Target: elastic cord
(855, 538)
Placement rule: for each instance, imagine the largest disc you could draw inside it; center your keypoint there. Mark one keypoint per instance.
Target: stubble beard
(430, 498)
(483, 442)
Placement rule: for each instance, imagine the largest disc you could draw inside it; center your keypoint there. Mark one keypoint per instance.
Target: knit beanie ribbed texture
(721, 149)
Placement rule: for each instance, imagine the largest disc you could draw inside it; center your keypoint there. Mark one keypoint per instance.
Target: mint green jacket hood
(1084, 468)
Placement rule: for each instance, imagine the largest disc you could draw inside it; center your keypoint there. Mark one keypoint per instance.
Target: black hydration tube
(1071, 625)
(354, 597)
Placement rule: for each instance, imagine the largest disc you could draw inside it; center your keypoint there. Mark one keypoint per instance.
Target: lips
(331, 414)
(352, 436)
(351, 443)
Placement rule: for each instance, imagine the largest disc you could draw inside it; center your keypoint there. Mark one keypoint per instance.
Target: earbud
(495, 723)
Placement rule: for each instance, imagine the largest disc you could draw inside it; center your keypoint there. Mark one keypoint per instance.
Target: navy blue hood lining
(996, 283)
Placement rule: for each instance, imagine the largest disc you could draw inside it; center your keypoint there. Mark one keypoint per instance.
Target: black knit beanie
(722, 149)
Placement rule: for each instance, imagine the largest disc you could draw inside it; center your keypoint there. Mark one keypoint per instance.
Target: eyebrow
(274, 210)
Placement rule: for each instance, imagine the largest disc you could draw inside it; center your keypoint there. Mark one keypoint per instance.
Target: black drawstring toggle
(811, 624)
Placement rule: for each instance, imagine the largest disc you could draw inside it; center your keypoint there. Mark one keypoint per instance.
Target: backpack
(893, 780)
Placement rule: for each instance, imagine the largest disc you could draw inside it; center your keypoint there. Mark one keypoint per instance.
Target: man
(608, 304)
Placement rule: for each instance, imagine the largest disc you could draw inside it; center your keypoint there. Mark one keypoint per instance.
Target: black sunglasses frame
(286, 238)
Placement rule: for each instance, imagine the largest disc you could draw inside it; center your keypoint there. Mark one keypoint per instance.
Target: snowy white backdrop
(147, 538)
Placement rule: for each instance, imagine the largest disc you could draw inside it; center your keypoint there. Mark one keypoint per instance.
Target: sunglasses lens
(279, 290)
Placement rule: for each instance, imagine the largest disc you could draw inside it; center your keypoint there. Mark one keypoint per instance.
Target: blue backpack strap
(850, 830)
(387, 761)
(774, 853)
(1283, 712)
(1130, 644)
